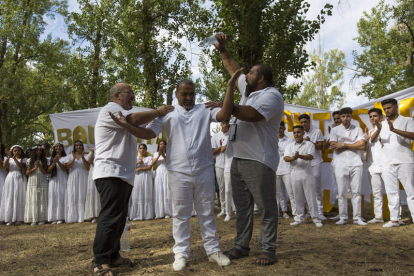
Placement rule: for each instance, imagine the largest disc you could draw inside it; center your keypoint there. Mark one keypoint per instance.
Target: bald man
(114, 173)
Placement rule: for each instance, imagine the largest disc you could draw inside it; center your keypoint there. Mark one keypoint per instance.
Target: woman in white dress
(3, 171)
(35, 211)
(57, 185)
(14, 190)
(93, 201)
(141, 203)
(162, 195)
(78, 168)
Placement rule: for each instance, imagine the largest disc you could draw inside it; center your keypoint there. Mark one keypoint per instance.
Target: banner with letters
(71, 126)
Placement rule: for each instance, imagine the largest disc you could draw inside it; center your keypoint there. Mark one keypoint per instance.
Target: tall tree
(31, 82)
(266, 32)
(322, 86)
(387, 60)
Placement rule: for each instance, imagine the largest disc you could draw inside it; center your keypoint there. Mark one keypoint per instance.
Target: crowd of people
(37, 187)
(252, 159)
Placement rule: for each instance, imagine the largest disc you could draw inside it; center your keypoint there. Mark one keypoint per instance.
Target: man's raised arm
(228, 61)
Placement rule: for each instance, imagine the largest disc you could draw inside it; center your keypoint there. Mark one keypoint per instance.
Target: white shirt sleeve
(241, 83)
(213, 114)
(333, 137)
(361, 135)
(288, 150)
(213, 141)
(156, 126)
(410, 125)
(114, 109)
(311, 149)
(268, 104)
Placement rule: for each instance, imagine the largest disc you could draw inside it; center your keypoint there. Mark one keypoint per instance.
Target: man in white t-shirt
(283, 174)
(374, 161)
(347, 141)
(396, 134)
(256, 156)
(190, 168)
(315, 136)
(114, 172)
(300, 156)
(217, 144)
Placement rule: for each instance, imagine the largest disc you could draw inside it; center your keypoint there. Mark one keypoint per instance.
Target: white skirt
(162, 195)
(75, 196)
(57, 196)
(13, 198)
(3, 175)
(36, 198)
(93, 201)
(141, 203)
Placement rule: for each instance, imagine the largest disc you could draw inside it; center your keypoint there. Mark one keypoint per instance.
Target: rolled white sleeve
(156, 126)
(213, 114)
(361, 135)
(333, 137)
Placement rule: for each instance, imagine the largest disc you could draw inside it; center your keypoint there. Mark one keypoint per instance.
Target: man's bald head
(118, 87)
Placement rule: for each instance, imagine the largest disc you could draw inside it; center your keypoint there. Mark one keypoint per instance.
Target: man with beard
(190, 168)
(256, 156)
(396, 134)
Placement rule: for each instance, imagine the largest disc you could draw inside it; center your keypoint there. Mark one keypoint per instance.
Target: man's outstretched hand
(121, 120)
(165, 109)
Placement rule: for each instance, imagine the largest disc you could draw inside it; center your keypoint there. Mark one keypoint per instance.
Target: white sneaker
(318, 224)
(286, 216)
(180, 262)
(375, 220)
(341, 222)
(54, 222)
(359, 221)
(322, 217)
(9, 223)
(219, 258)
(228, 218)
(95, 220)
(167, 217)
(221, 214)
(60, 222)
(296, 223)
(33, 224)
(41, 223)
(391, 224)
(401, 222)
(307, 216)
(335, 218)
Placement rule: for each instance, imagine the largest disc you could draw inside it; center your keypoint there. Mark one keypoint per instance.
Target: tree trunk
(95, 67)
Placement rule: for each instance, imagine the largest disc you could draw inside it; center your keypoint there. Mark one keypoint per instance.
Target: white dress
(93, 201)
(13, 197)
(76, 191)
(162, 195)
(36, 197)
(57, 193)
(141, 203)
(3, 174)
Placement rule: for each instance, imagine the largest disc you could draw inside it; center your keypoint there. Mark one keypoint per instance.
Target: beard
(188, 106)
(250, 87)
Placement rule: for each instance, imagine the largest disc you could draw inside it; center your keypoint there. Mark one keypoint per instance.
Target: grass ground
(304, 250)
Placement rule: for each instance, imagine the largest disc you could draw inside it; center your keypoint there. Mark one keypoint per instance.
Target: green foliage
(387, 36)
(266, 32)
(31, 70)
(322, 87)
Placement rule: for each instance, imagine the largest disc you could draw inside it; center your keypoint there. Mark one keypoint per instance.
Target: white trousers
(228, 194)
(198, 190)
(284, 180)
(349, 177)
(391, 175)
(221, 184)
(377, 194)
(303, 185)
(317, 173)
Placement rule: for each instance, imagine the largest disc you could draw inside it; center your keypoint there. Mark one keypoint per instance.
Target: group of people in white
(384, 150)
(39, 187)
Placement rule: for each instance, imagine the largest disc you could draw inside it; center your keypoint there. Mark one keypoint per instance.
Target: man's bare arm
(228, 104)
(140, 118)
(228, 61)
(247, 113)
(143, 133)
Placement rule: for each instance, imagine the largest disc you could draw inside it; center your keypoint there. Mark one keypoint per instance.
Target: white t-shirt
(284, 167)
(215, 143)
(374, 159)
(315, 135)
(228, 155)
(303, 148)
(347, 157)
(189, 146)
(259, 140)
(115, 153)
(397, 149)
